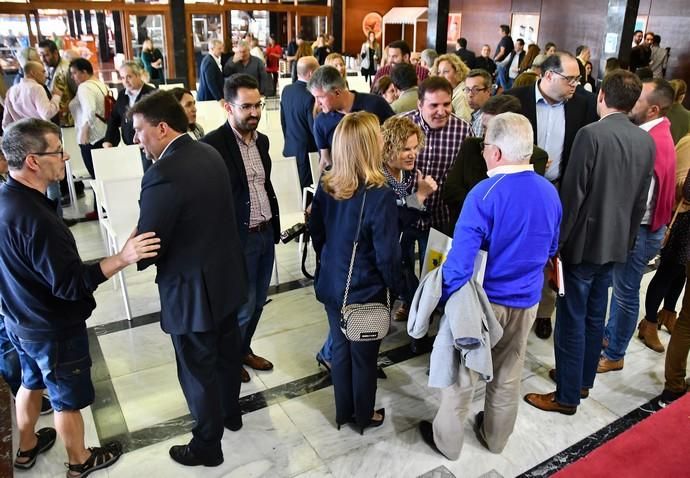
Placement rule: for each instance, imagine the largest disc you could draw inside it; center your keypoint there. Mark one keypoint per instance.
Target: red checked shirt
(259, 205)
(441, 147)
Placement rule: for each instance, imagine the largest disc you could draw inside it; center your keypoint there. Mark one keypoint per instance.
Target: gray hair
(213, 43)
(512, 134)
(24, 137)
(326, 78)
(133, 65)
(429, 56)
(243, 44)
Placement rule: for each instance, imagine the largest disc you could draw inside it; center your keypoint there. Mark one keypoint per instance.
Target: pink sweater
(665, 173)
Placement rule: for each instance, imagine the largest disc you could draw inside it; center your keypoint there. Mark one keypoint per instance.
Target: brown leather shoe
(543, 328)
(649, 336)
(548, 403)
(256, 362)
(584, 392)
(668, 319)
(401, 314)
(606, 365)
(244, 375)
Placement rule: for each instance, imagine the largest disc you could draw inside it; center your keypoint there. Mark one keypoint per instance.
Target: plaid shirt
(441, 146)
(259, 206)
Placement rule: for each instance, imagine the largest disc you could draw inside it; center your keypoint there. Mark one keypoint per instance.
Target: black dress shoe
(543, 327)
(185, 456)
(421, 346)
(233, 424)
(477, 427)
(426, 429)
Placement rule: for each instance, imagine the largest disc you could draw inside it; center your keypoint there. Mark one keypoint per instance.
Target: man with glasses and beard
(556, 113)
(245, 152)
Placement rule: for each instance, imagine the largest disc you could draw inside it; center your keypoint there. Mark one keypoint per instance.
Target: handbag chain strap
(352, 259)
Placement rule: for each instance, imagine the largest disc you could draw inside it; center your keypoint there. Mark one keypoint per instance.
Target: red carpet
(656, 447)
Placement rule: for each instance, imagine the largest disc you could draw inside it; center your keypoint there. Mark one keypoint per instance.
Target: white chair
(170, 86)
(210, 115)
(75, 166)
(120, 198)
(114, 163)
(314, 165)
(285, 182)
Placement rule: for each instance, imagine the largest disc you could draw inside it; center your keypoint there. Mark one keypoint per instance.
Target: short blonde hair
(332, 57)
(396, 131)
(356, 156)
(458, 65)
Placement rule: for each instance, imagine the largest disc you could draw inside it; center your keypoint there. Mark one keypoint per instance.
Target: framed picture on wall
(525, 26)
(454, 25)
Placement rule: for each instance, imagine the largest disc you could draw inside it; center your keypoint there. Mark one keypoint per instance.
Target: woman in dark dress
(152, 58)
(321, 49)
(355, 185)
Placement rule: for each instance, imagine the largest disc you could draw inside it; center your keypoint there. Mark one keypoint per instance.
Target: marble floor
(289, 418)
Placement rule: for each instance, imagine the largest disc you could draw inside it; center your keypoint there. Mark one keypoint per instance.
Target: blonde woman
(402, 141)
(337, 61)
(451, 67)
(369, 55)
(355, 183)
(304, 49)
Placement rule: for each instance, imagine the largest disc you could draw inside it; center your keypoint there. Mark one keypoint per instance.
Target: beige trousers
(502, 393)
(547, 304)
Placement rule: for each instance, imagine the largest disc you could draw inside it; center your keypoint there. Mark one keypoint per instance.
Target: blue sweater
(515, 218)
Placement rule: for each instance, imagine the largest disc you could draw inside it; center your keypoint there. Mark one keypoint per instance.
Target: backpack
(108, 105)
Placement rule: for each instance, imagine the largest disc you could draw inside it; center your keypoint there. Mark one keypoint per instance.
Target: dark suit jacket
(578, 113)
(297, 120)
(118, 118)
(210, 80)
(604, 191)
(224, 141)
(466, 56)
(187, 201)
(469, 169)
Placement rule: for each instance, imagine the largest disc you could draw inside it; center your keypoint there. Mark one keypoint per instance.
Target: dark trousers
(353, 371)
(10, 368)
(678, 348)
(304, 170)
(579, 329)
(259, 254)
(88, 162)
(208, 367)
(666, 285)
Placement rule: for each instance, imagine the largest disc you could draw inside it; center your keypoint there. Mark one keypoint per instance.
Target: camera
(293, 232)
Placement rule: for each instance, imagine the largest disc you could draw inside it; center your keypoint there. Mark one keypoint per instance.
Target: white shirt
(132, 95)
(510, 169)
(651, 195)
(166, 148)
(89, 102)
(514, 69)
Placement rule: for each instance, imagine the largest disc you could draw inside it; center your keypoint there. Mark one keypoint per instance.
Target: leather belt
(262, 226)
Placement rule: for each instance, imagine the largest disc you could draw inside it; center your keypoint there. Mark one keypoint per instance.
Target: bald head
(306, 66)
(35, 70)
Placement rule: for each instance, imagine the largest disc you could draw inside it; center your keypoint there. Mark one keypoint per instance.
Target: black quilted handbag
(369, 321)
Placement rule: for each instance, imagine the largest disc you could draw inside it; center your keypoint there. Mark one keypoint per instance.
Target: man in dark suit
(186, 199)
(557, 113)
(604, 195)
(245, 152)
(211, 74)
(297, 119)
(135, 88)
(467, 56)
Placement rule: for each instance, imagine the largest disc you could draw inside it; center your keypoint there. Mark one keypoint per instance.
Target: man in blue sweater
(515, 216)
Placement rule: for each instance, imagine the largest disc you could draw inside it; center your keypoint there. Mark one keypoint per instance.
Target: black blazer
(210, 80)
(466, 56)
(604, 192)
(297, 120)
(578, 113)
(224, 141)
(186, 199)
(118, 118)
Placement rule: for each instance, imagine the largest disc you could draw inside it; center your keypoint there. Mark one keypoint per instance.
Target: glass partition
(155, 59)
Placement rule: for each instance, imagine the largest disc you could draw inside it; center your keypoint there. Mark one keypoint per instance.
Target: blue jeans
(10, 369)
(625, 300)
(579, 329)
(502, 78)
(63, 367)
(259, 254)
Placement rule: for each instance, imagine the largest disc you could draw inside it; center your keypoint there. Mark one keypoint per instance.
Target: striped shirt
(259, 206)
(441, 147)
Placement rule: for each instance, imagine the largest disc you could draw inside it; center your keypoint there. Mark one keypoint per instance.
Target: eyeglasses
(60, 153)
(247, 107)
(473, 90)
(573, 80)
(482, 145)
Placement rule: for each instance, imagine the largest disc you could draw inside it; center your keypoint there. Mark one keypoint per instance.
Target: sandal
(45, 441)
(101, 457)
